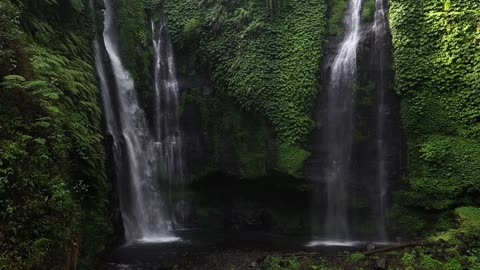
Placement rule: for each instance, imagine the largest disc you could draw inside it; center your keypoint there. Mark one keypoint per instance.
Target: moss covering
(436, 52)
(266, 61)
(291, 158)
(368, 11)
(337, 9)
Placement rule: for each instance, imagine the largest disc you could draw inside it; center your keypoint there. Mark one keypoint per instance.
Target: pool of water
(187, 243)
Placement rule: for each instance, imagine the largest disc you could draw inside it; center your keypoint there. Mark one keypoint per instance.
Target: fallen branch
(391, 248)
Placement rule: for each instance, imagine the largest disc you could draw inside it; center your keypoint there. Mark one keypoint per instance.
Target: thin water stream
(380, 30)
(168, 135)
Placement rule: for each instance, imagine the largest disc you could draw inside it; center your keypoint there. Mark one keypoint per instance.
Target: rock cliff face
(220, 136)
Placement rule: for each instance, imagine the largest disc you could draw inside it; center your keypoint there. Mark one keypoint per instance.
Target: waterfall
(134, 146)
(340, 125)
(168, 136)
(380, 30)
(353, 176)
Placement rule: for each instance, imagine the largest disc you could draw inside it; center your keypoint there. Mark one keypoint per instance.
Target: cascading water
(168, 136)
(357, 187)
(380, 31)
(136, 157)
(340, 125)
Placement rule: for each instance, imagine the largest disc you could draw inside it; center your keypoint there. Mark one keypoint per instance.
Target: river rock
(381, 264)
(370, 246)
(266, 262)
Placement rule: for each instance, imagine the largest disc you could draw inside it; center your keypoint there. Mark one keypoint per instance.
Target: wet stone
(381, 264)
(370, 246)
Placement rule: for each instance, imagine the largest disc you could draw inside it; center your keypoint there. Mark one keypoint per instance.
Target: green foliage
(135, 29)
(450, 169)
(368, 10)
(192, 29)
(427, 262)
(135, 33)
(290, 159)
(11, 42)
(356, 257)
(277, 264)
(423, 258)
(276, 6)
(421, 261)
(468, 227)
(78, 5)
(52, 175)
(337, 9)
(469, 219)
(272, 71)
(453, 265)
(152, 5)
(436, 52)
(408, 258)
(268, 64)
(453, 249)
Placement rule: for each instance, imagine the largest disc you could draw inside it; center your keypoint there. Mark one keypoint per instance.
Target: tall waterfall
(380, 30)
(353, 175)
(134, 146)
(340, 125)
(168, 136)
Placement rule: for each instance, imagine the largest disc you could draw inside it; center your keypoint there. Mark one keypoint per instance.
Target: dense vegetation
(437, 52)
(266, 59)
(53, 189)
(261, 59)
(436, 60)
(438, 253)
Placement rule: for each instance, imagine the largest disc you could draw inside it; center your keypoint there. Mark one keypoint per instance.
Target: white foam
(334, 243)
(164, 239)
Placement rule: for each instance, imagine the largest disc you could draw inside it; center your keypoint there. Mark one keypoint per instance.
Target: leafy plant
(51, 139)
(368, 10)
(356, 257)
